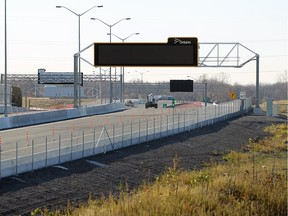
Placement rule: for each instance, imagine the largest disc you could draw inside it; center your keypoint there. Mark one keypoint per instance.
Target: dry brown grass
(282, 107)
(252, 182)
(55, 103)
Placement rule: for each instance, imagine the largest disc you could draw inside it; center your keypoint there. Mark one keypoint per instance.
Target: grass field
(250, 182)
(50, 103)
(282, 107)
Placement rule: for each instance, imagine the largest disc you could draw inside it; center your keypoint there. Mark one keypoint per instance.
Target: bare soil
(53, 187)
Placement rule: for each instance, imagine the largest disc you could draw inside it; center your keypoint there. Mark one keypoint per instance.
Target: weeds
(251, 183)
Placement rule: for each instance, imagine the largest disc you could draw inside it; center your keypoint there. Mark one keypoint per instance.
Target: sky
(39, 35)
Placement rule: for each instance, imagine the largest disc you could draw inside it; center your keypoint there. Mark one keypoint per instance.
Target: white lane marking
(96, 163)
(18, 179)
(61, 167)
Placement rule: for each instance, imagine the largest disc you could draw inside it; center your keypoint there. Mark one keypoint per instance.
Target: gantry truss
(233, 55)
(224, 55)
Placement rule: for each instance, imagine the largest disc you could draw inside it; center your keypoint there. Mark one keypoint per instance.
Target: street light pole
(122, 68)
(79, 49)
(205, 89)
(5, 67)
(101, 69)
(142, 75)
(110, 33)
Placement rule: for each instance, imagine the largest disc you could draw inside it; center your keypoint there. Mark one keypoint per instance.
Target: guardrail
(53, 150)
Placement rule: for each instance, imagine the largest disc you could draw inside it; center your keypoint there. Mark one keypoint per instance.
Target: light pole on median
(100, 70)
(110, 33)
(79, 49)
(122, 72)
(205, 89)
(5, 67)
(141, 73)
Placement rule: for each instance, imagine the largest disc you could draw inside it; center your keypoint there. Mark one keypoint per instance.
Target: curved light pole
(122, 72)
(205, 88)
(123, 39)
(79, 47)
(110, 33)
(142, 75)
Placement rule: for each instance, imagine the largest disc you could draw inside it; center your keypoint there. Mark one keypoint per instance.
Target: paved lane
(52, 135)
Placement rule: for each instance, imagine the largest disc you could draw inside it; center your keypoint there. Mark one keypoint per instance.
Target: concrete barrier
(57, 115)
(37, 118)
(4, 123)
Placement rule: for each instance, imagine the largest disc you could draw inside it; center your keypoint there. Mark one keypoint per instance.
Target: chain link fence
(28, 155)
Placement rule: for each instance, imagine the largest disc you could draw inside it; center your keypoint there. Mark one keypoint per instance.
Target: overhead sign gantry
(177, 52)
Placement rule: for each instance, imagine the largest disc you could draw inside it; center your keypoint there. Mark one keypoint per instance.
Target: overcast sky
(43, 36)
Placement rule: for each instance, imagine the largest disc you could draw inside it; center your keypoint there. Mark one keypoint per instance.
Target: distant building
(56, 91)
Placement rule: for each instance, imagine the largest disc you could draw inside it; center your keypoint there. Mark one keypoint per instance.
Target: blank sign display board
(176, 52)
(181, 85)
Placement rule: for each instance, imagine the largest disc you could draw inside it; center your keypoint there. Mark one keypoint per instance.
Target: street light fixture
(110, 33)
(79, 49)
(142, 75)
(205, 88)
(123, 39)
(122, 72)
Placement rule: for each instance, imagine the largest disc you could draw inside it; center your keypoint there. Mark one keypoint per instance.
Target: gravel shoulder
(53, 187)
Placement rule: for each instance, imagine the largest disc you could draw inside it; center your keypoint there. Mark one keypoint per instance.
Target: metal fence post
(122, 134)
(33, 155)
(225, 111)
(184, 122)
(161, 126)
(178, 116)
(139, 130)
(59, 150)
(113, 128)
(154, 129)
(83, 144)
(146, 129)
(189, 122)
(46, 151)
(167, 119)
(16, 158)
(71, 150)
(131, 133)
(105, 146)
(173, 121)
(197, 118)
(94, 140)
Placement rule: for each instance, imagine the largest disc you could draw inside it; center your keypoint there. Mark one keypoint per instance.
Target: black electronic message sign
(57, 78)
(181, 85)
(176, 52)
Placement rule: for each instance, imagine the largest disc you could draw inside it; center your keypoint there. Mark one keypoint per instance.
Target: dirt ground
(53, 187)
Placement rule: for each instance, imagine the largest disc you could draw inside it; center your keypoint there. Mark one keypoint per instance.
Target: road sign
(181, 85)
(232, 95)
(176, 52)
(243, 95)
(57, 77)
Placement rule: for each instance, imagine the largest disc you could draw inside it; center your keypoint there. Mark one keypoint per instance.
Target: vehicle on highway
(151, 102)
(129, 103)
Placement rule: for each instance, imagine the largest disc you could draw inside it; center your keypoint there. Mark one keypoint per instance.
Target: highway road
(55, 135)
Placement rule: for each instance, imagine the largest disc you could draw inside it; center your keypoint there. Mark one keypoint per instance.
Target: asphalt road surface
(64, 130)
(98, 175)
